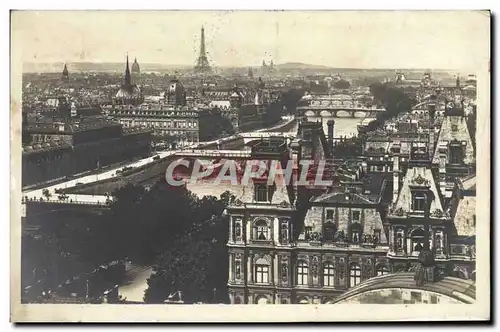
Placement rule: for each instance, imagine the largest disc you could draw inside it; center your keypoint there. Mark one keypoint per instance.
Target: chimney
(331, 127)
(431, 142)
(295, 157)
(364, 167)
(396, 149)
(442, 150)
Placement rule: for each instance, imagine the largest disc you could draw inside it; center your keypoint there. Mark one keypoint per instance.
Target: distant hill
(300, 65)
(31, 67)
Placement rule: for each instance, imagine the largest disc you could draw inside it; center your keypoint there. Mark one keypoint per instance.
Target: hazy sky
(338, 39)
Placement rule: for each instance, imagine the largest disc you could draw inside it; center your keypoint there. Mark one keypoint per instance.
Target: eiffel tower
(202, 65)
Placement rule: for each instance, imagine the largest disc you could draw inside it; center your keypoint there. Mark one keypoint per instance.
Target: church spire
(127, 74)
(65, 73)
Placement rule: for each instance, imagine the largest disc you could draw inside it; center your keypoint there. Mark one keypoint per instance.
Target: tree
(394, 100)
(195, 263)
(46, 193)
(342, 84)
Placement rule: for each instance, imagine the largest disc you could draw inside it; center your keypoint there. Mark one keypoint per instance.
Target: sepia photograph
(195, 165)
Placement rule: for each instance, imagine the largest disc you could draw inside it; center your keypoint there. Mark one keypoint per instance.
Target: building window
(355, 274)
(262, 274)
(355, 233)
(355, 216)
(376, 236)
(380, 168)
(418, 202)
(284, 232)
(399, 239)
(456, 154)
(382, 270)
(439, 241)
(417, 241)
(237, 269)
(454, 127)
(328, 275)
(302, 273)
(261, 230)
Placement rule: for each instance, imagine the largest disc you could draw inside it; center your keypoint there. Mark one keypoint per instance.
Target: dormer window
(376, 236)
(263, 193)
(351, 190)
(329, 215)
(355, 216)
(454, 127)
(418, 202)
(456, 154)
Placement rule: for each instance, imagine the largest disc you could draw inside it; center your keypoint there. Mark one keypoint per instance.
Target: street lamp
(87, 288)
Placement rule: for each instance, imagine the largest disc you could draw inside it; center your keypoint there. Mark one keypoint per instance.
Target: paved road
(135, 282)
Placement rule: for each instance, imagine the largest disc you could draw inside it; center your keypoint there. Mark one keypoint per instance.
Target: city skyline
(364, 38)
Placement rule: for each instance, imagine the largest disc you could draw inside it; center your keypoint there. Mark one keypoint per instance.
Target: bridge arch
(343, 114)
(325, 113)
(400, 288)
(310, 113)
(360, 114)
(428, 102)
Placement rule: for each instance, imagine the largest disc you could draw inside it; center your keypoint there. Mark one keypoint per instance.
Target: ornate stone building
(279, 254)
(387, 206)
(60, 147)
(170, 117)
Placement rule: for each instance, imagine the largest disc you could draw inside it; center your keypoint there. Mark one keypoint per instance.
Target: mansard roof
(370, 218)
(455, 128)
(418, 177)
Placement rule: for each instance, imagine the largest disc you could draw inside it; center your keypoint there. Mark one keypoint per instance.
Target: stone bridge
(339, 111)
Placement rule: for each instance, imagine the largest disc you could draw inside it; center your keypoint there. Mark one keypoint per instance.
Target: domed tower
(129, 94)
(260, 84)
(250, 73)
(175, 94)
(135, 67)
